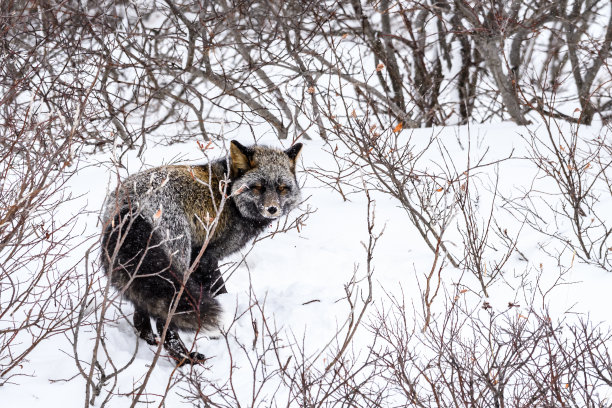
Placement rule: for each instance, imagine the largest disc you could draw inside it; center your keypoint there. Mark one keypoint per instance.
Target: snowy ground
(300, 277)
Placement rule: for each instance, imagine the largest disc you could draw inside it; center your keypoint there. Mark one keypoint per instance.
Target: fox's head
(264, 186)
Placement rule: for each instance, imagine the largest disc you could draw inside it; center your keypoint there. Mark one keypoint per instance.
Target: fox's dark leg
(207, 273)
(215, 280)
(175, 346)
(142, 323)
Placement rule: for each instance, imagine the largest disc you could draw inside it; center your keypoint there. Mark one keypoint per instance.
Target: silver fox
(156, 222)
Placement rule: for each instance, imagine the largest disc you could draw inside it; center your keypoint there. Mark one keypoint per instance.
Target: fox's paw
(149, 337)
(178, 352)
(196, 358)
(191, 358)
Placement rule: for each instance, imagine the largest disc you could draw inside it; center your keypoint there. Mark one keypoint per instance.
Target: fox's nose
(272, 210)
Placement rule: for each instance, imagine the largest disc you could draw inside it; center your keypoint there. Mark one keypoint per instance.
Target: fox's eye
(282, 189)
(258, 188)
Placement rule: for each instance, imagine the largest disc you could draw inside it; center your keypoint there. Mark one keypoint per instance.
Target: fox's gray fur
(157, 221)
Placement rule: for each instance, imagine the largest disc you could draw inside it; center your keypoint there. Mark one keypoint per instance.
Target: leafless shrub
(579, 170)
(40, 139)
(37, 295)
(442, 195)
(479, 357)
(171, 70)
(391, 163)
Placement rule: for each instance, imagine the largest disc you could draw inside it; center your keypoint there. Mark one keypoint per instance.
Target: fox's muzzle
(271, 206)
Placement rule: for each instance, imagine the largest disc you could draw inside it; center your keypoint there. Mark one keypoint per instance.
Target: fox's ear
(241, 158)
(294, 152)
